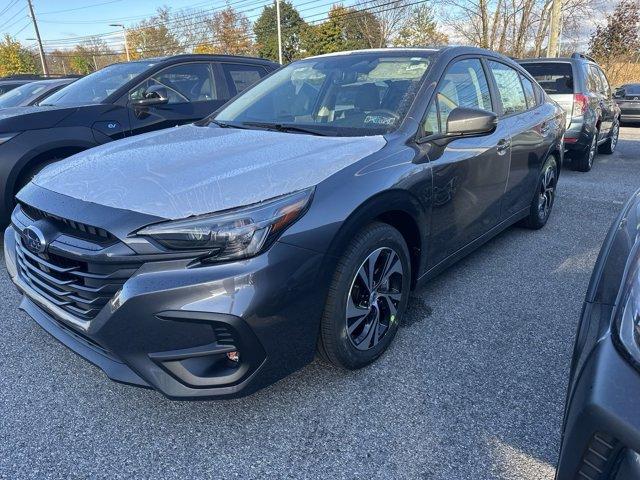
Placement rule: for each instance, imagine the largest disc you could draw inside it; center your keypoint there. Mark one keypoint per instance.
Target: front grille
(78, 229)
(78, 287)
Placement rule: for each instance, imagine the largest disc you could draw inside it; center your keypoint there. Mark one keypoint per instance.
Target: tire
(609, 146)
(27, 175)
(353, 339)
(543, 200)
(583, 161)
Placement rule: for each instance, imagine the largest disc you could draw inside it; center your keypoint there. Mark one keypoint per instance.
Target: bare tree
(514, 27)
(387, 19)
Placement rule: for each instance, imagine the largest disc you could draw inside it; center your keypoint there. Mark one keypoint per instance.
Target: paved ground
(473, 387)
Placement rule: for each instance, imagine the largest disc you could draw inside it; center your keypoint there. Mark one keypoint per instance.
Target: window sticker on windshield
(379, 120)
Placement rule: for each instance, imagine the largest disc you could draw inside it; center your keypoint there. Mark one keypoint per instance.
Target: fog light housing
(234, 356)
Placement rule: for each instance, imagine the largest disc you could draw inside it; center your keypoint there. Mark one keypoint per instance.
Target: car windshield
(23, 95)
(95, 88)
(342, 95)
(632, 89)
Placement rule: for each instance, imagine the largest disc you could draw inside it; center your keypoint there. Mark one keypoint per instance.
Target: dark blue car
(212, 259)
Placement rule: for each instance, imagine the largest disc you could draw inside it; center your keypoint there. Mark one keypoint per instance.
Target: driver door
(469, 174)
(192, 91)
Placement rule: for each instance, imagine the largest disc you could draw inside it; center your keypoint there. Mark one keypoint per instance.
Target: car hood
(17, 119)
(190, 170)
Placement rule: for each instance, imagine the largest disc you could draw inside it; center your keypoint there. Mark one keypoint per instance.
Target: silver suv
(581, 88)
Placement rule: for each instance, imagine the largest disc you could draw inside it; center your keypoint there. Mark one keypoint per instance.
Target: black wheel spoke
(374, 298)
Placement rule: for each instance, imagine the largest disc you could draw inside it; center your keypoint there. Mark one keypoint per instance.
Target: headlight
(5, 137)
(627, 321)
(234, 234)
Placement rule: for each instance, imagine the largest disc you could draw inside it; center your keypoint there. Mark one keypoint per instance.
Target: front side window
(343, 95)
(95, 88)
(189, 82)
(510, 88)
(463, 85)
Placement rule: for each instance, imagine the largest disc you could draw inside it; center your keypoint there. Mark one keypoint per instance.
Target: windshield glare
(361, 94)
(95, 88)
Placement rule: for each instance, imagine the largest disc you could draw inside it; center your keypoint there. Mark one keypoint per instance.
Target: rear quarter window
(553, 77)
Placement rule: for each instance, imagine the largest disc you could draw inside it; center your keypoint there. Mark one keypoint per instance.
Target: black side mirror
(464, 121)
(154, 95)
(619, 93)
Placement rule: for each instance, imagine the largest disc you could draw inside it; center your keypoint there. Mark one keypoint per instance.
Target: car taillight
(580, 104)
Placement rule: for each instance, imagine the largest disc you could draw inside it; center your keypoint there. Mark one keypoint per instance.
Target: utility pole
(45, 70)
(279, 32)
(124, 33)
(554, 28)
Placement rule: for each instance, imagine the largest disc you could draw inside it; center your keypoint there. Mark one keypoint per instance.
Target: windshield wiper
(287, 127)
(225, 124)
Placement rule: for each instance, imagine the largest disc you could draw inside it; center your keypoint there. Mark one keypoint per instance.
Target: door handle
(544, 129)
(503, 146)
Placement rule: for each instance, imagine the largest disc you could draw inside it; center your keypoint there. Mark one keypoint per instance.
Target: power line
(9, 7)
(13, 16)
(80, 8)
(174, 21)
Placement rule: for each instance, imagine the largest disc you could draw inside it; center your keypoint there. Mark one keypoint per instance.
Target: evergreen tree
(266, 32)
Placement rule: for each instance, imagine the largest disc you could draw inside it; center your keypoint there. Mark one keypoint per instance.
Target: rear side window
(239, 77)
(594, 82)
(606, 89)
(553, 77)
(529, 92)
(463, 85)
(510, 88)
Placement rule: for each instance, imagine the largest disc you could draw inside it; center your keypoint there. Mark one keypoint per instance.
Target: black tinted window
(553, 77)
(240, 77)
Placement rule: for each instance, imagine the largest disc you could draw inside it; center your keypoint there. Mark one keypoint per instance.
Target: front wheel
(609, 146)
(367, 298)
(542, 202)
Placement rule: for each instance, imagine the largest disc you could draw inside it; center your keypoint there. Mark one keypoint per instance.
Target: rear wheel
(367, 298)
(542, 202)
(583, 161)
(609, 146)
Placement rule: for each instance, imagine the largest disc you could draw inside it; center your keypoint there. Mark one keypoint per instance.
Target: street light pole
(43, 60)
(124, 33)
(279, 32)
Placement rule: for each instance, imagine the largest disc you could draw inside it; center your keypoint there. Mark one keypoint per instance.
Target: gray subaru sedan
(212, 259)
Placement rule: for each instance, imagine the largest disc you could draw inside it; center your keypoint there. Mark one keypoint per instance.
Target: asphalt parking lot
(473, 387)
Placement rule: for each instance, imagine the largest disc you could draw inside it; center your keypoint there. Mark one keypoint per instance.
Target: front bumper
(602, 427)
(170, 327)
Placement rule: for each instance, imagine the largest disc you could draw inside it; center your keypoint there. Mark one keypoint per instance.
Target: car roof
(203, 56)
(451, 50)
(15, 82)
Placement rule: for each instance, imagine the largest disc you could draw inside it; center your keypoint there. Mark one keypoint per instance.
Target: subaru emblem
(34, 239)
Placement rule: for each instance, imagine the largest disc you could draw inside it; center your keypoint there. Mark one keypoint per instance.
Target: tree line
(518, 28)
